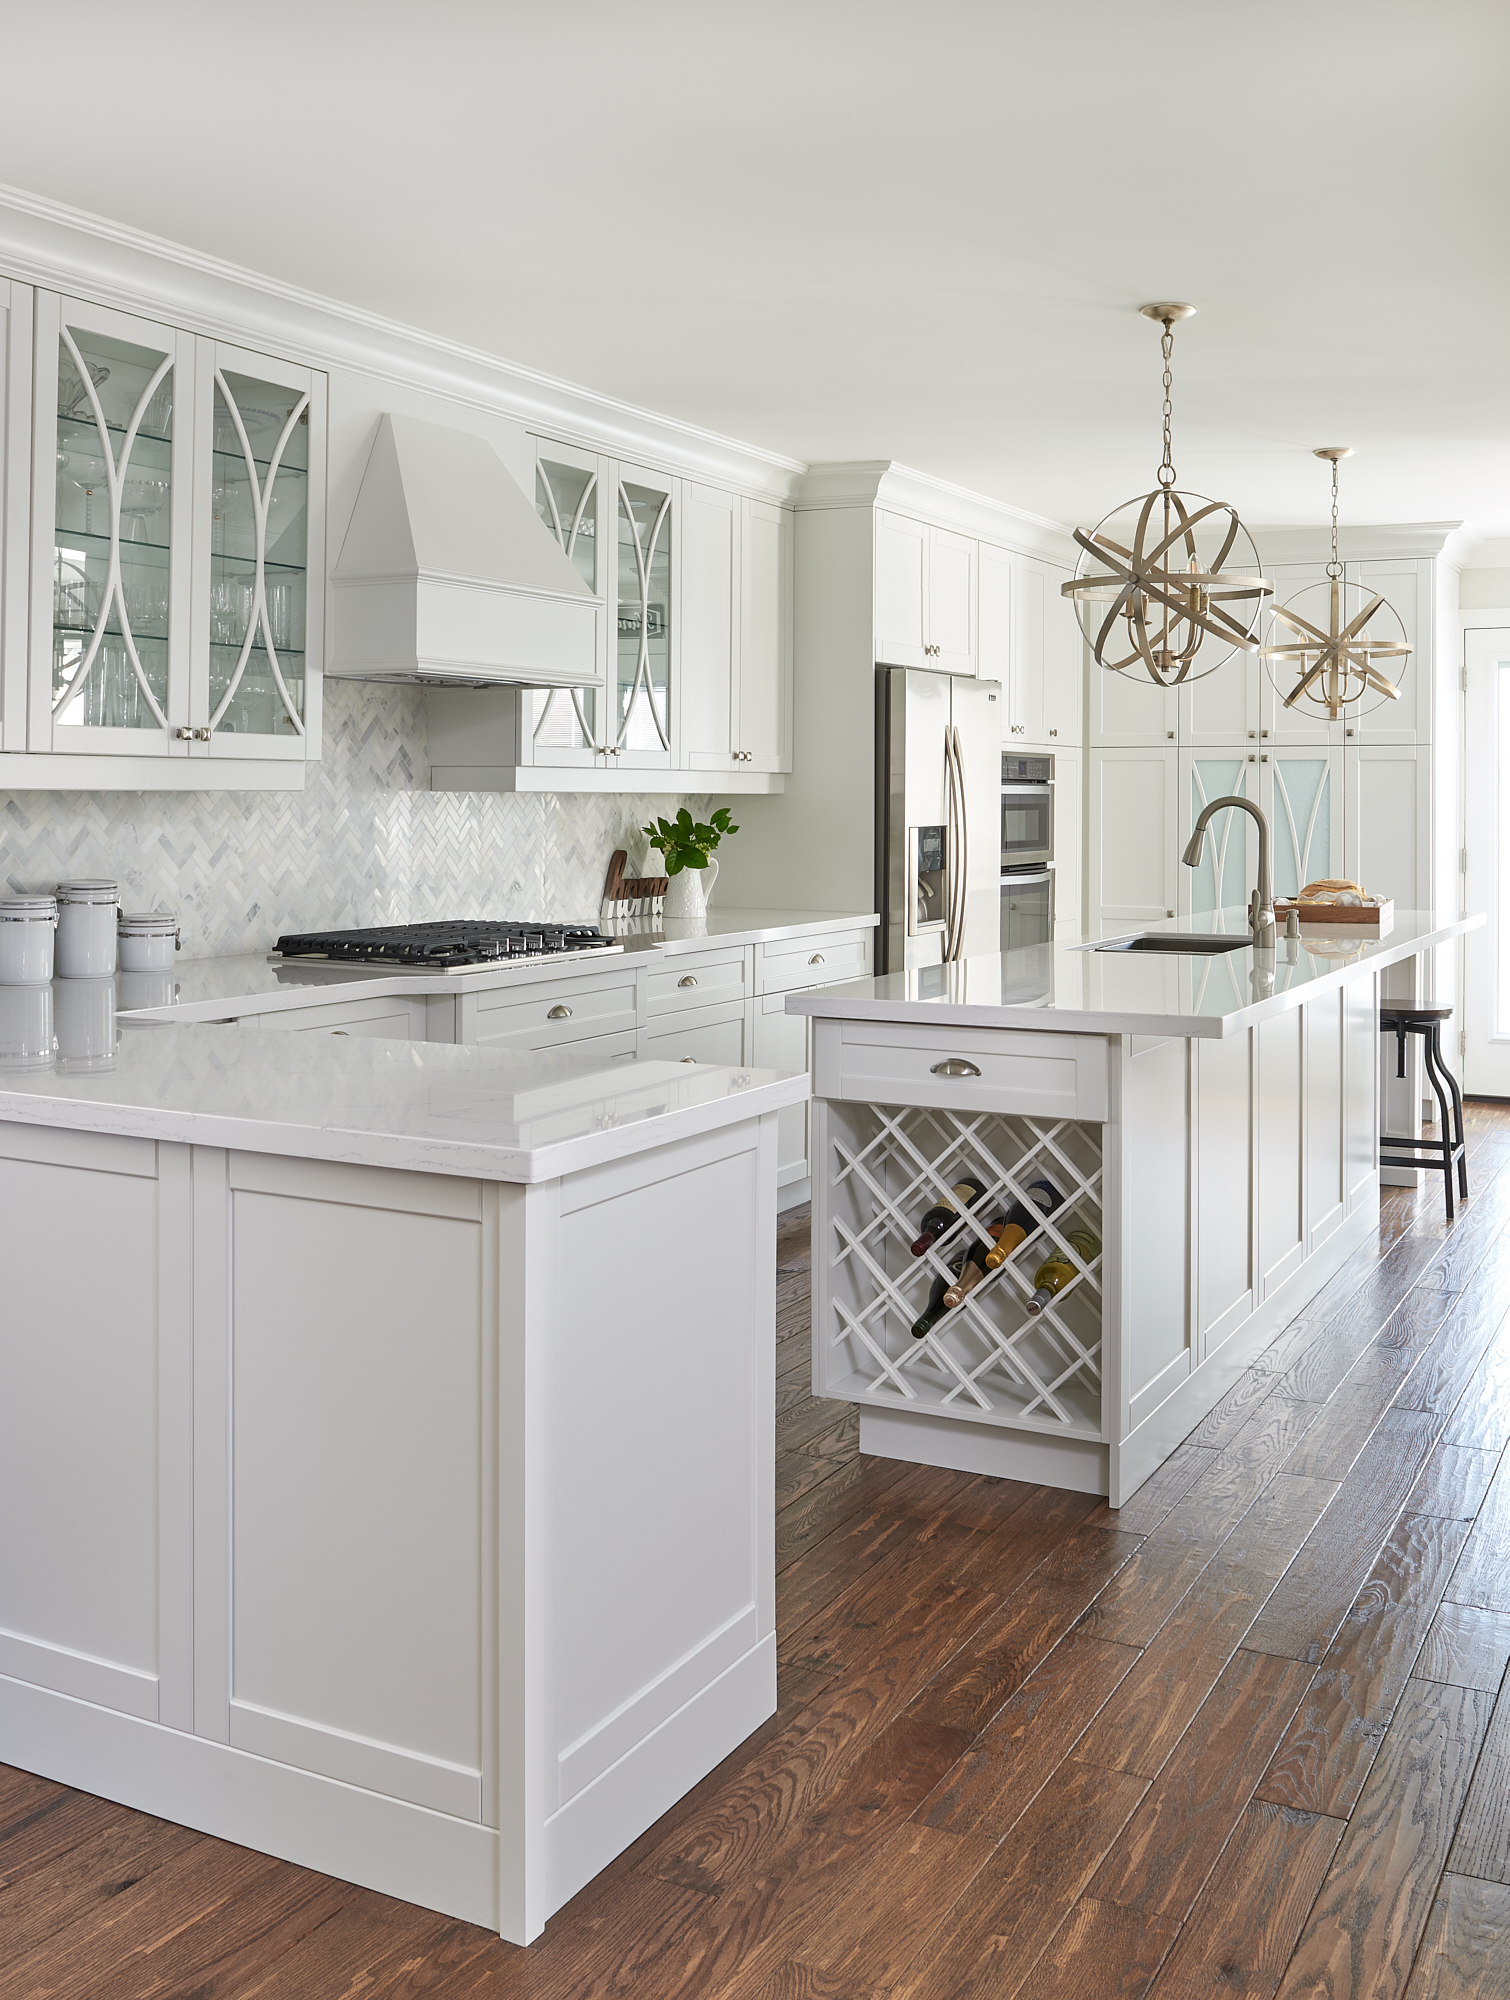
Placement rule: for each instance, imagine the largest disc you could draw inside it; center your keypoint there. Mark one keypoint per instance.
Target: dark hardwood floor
(1244, 1737)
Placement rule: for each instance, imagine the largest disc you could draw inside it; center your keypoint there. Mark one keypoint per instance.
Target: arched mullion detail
(258, 617)
(643, 558)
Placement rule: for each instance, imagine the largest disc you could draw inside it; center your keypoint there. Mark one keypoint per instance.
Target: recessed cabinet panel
(564, 726)
(1221, 707)
(16, 308)
(710, 627)
(994, 625)
(765, 641)
(646, 575)
(1064, 665)
(1301, 791)
(1229, 860)
(1069, 811)
(1025, 688)
(1281, 1226)
(1387, 834)
(901, 591)
(1125, 711)
(951, 579)
(1224, 1186)
(1407, 588)
(1134, 847)
(1326, 1193)
(782, 1042)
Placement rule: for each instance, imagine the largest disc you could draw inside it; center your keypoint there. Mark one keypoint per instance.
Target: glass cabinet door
(567, 725)
(259, 528)
(109, 596)
(644, 532)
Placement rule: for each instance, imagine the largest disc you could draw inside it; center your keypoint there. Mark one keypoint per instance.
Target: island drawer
(397, 1019)
(787, 964)
(548, 1015)
(695, 979)
(995, 1069)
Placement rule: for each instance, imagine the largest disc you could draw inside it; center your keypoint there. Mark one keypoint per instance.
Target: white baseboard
(1078, 1465)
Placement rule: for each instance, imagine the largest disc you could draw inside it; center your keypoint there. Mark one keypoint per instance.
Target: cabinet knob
(184, 733)
(954, 1066)
(1170, 734)
(559, 1013)
(1251, 734)
(1263, 757)
(1169, 913)
(690, 1059)
(1352, 732)
(1251, 758)
(1053, 732)
(687, 979)
(816, 959)
(340, 1031)
(1264, 733)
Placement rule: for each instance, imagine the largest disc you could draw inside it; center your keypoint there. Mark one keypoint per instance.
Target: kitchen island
(386, 1446)
(1207, 1125)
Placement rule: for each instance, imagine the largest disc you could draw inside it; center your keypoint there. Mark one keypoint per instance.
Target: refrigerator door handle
(959, 846)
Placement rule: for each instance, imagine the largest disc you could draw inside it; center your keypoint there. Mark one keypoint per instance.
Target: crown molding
(881, 482)
(1382, 541)
(49, 244)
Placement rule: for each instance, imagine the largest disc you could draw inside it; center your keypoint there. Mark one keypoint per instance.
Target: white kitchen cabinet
(1409, 586)
(1064, 674)
(710, 629)
(564, 727)
(1126, 712)
(995, 599)
(1069, 813)
(719, 1034)
(177, 549)
(763, 709)
(925, 596)
(1386, 843)
(1222, 707)
(389, 1017)
(1047, 673)
(1304, 586)
(784, 1041)
(1226, 872)
(1302, 791)
(646, 639)
(15, 506)
(1134, 845)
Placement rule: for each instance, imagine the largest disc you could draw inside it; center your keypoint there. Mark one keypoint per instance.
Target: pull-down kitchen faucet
(1261, 907)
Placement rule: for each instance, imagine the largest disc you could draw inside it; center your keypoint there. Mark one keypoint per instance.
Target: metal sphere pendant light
(1331, 644)
(1167, 587)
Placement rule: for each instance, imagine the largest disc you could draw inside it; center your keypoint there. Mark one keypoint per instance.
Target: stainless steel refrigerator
(938, 783)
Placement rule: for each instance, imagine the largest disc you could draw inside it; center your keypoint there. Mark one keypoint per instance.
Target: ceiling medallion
(1162, 574)
(1332, 653)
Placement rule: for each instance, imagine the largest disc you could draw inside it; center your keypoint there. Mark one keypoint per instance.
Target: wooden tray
(1327, 915)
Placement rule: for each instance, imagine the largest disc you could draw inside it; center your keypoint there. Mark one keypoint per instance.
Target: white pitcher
(687, 896)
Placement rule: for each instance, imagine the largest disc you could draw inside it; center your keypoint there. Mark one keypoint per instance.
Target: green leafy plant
(686, 842)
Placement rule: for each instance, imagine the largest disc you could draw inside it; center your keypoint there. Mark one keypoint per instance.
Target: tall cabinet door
(1133, 852)
(1408, 587)
(1064, 666)
(710, 629)
(16, 306)
(1302, 792)
(1026, 681)
(647, 572)
(1227, 869)
(765, 642)
(1127, 711)
(951, 602)
(995, 597)
(901, 592)
(1387, 829)
(112, 493)
(259, 554)
(1221, 707)
(564, 727)
(1304, 589)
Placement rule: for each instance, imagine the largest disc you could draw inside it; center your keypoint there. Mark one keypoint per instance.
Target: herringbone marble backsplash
(365, 843)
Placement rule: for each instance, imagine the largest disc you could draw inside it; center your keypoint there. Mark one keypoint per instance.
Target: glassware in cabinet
(567, 725)
(645, 527)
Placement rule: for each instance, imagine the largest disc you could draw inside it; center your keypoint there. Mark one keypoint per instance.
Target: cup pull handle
(954, 1066)
(816, 959)
(559, 1014)
(687, 979)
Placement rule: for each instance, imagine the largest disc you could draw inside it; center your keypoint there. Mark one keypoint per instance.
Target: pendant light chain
(1334, 567)
(1166, 470)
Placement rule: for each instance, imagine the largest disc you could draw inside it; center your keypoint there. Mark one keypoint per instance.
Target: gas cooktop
(452, 947)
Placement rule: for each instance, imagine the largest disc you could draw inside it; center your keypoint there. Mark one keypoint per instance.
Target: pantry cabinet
(1044, 668)
(177, 550)
(1134, 845)
(925, 596)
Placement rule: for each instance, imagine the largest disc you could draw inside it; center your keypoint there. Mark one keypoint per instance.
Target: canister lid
(88, 892)
(28, 909)
(147, 923)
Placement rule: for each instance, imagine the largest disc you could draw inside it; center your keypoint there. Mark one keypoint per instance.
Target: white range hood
(448, 575)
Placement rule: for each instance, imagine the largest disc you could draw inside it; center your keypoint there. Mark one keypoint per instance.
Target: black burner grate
(443, 946)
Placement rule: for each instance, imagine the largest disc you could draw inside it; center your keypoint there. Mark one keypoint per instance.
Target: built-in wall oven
(1027, 851)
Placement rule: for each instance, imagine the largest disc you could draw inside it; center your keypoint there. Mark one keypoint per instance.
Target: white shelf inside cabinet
(988, 1361)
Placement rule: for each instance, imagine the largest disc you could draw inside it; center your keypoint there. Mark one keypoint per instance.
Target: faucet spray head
(1194, 848)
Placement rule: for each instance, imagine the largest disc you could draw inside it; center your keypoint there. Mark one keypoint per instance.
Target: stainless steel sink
(1192, 944)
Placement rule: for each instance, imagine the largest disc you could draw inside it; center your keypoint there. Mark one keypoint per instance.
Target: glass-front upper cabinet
(571, 726)
(110, 549)
(259, 521)
(645, 529)
(178, 538)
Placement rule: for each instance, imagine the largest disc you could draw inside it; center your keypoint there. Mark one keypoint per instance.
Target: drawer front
(790, 964)
(397, 1020)
(595, 1048)
(709, 1035)
(1044, 1076)
(694, 980)
(548, 1016)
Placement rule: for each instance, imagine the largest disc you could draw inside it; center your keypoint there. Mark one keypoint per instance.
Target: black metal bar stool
(1449, 1151)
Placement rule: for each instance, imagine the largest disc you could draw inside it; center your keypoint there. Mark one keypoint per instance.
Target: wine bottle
(972, 1270)
(936, 1308)
(1020, 1221)
(1056, 1272)
(966, 1190)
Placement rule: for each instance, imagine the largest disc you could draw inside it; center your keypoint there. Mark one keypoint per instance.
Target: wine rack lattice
(988, 1360)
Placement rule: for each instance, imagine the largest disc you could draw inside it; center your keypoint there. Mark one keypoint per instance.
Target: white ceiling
(914, 229)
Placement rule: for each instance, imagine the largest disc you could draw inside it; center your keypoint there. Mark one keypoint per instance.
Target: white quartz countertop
(206, 989)
(424, 1106)
(1069, 988)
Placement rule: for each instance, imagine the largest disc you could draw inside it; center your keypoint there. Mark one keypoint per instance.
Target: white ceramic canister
(27, 924)
(146, 941)
(86, 929)
(26, 1036)
(87, 1034)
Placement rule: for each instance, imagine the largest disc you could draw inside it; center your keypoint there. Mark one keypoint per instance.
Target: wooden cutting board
(1375, 915)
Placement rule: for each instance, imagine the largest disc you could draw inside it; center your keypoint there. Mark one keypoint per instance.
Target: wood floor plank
(1242, 1928)
(816, 1577)
(23, 1793)
(869, 1931)
(617, 1929)
(1482, 1846)
(1018, 1900)
(1481, 1417)
(1100, 1952)
(1343, 1426)
(1307, 1609)
(1172, 1841)
(1483, 1574)
(1445, 1370)
(1146, 1717)
(1465, 1952)
(1416, 1323)
(1453, 1482)
(1325, 1755)
(798, 1471)
(1322, 1365)
(1140, 1600)
(1241, 1470)
(973, 1687)
(48, 1823)
(65, 1888)
(1226, 1418)
(1154, 1498)
(854, 1488)
(1362, 1934)
(1003, 1771)
(1466, 1647)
